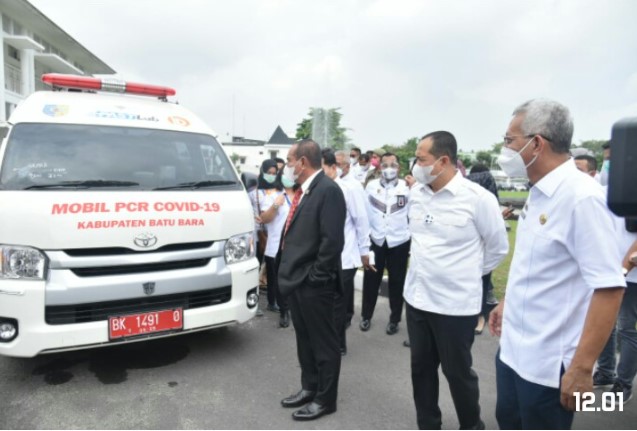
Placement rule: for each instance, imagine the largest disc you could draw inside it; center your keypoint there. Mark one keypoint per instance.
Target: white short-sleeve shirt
(565, 248)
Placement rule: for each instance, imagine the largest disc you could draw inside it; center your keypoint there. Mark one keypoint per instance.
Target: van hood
(56, 220)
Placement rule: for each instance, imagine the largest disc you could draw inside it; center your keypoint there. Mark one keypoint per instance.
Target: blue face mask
(269, 178)
(287, 183)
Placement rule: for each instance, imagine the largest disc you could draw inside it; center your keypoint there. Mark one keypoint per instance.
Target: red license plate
(145, 323)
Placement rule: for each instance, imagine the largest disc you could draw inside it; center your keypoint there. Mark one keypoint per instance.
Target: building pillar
(3, 98)
(27, 69)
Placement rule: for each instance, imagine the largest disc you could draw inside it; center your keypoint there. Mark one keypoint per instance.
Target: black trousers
(347, 306)
(315, 315)
(272, 270)
(436, 340)
(487, 285)
(395, 259)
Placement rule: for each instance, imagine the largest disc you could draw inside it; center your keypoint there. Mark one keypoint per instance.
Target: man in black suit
(310, 275)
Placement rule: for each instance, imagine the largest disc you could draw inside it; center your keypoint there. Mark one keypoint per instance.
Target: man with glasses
(565, 283)
(354, 155)
(388, 198)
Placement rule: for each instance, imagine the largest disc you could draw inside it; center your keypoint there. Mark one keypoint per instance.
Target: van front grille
(140, 268)
(97, 311)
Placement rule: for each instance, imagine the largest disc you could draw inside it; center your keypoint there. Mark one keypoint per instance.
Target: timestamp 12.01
(611, 401)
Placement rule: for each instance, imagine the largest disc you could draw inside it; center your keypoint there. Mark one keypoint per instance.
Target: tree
(466, 161)
(484, 157)
(324, 126)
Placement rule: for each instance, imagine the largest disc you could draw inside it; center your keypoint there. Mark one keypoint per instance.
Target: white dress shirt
(360, 173)
(258, 197)
(356, 225)
(564, 249)
(275, 227)
(388, 209)
(457, 235)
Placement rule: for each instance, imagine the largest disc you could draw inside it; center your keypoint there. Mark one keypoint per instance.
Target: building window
(242, 160)
(274, 154)
(12, 52)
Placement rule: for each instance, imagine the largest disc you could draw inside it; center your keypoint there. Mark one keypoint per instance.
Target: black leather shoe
(392, 328)
(365, 324)
(343, 351)
(479, 426)
(284, 320)
(313, 411)
(273, 308)
(298, 399)
(406, 343)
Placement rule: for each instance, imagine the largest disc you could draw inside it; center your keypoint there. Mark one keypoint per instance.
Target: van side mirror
(622, 199)
(249, 180)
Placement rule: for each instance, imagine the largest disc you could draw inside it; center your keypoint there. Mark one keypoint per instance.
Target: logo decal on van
(178, 121)
(55, 110)
(145, 239)
(149, 288)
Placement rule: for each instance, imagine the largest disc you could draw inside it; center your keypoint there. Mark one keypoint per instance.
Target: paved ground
(234, 378)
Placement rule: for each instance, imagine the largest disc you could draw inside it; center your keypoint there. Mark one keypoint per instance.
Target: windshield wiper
(198, 185)
(83, 184)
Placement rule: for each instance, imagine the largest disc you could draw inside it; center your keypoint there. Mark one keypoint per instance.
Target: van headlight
(21, 263)
(240, 248)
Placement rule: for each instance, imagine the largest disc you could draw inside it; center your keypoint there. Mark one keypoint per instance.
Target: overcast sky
(396, 68)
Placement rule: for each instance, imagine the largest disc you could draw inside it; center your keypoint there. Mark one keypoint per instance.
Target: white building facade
(248, 154)
(33, 45)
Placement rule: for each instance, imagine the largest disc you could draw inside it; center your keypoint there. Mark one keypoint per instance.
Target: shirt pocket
(456, 229)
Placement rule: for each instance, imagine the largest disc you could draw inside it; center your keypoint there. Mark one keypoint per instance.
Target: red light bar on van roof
(105, 84)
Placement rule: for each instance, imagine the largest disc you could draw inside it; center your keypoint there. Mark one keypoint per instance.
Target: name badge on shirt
(401, 201)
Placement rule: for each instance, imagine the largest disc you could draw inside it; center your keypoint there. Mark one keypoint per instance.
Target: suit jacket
(313, 244)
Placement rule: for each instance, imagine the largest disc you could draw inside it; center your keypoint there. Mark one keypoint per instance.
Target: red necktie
(295, 203)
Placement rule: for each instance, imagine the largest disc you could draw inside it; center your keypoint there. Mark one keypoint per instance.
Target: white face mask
(353, 160)
(512, 162)
(390, 173)
(288, 172)
(423, 173)
(339, 172)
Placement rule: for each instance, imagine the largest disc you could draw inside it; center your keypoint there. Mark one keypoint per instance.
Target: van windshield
(52, 156)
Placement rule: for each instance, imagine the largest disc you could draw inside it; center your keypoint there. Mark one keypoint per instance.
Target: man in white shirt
(565, 283)
(586, 164)
(345, 173)
(362, 168)
(387, 200)
(356, 250)
(457, 236)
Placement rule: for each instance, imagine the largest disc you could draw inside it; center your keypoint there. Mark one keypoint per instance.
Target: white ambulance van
(121, 219)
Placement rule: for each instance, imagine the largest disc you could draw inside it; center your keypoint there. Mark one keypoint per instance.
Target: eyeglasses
(389, 165)
(508, 140)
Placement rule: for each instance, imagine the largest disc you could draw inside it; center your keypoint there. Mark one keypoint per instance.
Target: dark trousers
(347, 306)
(487, 286)
(273, 285)
(436, 340)
(525, 405)
(395, 259)
(315, 316)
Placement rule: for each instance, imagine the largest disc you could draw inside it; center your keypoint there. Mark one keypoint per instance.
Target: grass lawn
(499, 277)
(508, 194)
